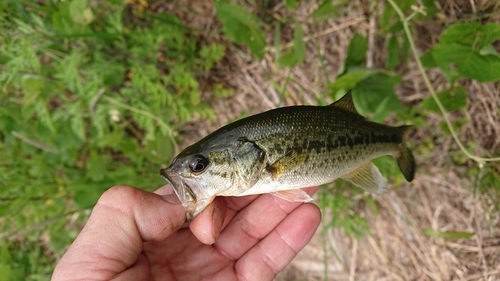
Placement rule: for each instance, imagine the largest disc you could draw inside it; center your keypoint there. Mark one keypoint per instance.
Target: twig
(34, 143)
(371, 40)
(259, 90)
(95, 99)
(354, 255)
(321, 33)
(18, 235)
(148, 114)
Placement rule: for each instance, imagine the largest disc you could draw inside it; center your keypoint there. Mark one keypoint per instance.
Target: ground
(442, 197)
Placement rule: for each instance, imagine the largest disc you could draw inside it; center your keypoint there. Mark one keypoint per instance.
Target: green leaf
(387, 166)
(473, 35)
(32, 89)
(389, 21)
(427, 60)
(356, 52)
(461, 33)
(373, 91)
(44, 116)
(161, 147)
(78, 127)
(430, 8)
(292, 4)
(469, 62)
(96, 166)
(452, 99)
(488, 50)
(125, 173)
(288, 59)
(298, 54)
(86, 198)
(376, 95)
(371, 203)
(447, 234)
(468, 46)
(298, 43)
(221, 92)
(351, 79)
(457, 125)
(327, 9)
(241, 27)
(80, 12)
(489, 33)
(212, 54)
(393, 53)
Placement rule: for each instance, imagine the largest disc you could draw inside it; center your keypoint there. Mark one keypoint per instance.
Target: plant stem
(408, 33)
(148, 114)
(34, 143)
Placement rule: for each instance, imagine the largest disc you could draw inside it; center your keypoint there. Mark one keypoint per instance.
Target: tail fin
(405, 160)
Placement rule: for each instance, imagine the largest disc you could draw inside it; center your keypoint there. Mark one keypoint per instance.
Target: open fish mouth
(183, 190)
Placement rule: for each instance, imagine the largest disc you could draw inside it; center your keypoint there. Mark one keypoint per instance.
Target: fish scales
(332, 146)
(286, 149)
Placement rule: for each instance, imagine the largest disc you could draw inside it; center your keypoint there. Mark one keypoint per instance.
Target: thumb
(111, 241)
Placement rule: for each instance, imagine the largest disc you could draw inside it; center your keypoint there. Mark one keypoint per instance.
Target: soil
(443, 196)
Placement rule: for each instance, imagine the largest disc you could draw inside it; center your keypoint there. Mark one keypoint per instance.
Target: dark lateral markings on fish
(285, 149)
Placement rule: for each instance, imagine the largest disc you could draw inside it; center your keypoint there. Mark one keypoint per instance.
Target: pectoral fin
(291, 160)
(294, 195)
(367, 177)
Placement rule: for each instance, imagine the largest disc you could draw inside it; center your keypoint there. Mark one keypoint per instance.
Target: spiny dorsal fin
(346, 103)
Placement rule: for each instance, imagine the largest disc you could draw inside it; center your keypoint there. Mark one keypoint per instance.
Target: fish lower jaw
(195, 208)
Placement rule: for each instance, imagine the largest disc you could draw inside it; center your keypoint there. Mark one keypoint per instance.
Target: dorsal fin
(346, 103)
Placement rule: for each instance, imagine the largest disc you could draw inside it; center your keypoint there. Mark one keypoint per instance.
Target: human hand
(136, 235)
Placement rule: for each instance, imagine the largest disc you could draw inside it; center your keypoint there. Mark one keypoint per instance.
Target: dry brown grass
(441, 197)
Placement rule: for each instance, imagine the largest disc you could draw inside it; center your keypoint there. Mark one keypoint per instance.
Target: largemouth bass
(283, 150)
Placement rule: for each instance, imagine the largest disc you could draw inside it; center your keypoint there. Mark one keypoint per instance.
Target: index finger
(277, 249)
(255, 222)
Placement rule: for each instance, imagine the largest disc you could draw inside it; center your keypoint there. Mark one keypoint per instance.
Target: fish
(283, 150)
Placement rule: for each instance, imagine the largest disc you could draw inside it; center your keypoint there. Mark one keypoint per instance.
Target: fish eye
(198, 163)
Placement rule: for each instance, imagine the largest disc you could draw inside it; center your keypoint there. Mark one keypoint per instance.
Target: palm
(259, 240)
(133, 234)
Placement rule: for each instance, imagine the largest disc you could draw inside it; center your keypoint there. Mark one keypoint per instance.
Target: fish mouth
(183, 191)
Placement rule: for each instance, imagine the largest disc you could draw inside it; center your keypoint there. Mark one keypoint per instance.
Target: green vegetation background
(93, 96)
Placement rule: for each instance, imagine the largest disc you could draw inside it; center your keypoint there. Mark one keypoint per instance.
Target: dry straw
(441, 198)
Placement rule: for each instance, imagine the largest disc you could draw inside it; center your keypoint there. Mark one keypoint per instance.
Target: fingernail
(172, 199)
(217, 221)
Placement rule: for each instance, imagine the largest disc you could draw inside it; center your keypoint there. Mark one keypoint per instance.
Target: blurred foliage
(464, 51)
(341, 203)
(91, 97)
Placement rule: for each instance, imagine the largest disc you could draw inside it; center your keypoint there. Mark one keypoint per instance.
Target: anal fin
(368, 177)
(294, 195)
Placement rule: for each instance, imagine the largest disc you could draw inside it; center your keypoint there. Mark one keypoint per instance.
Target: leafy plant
(372, 89)
(340, 202)
(465, 49)
(468, 54)
(91, 97)
(241, 26)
